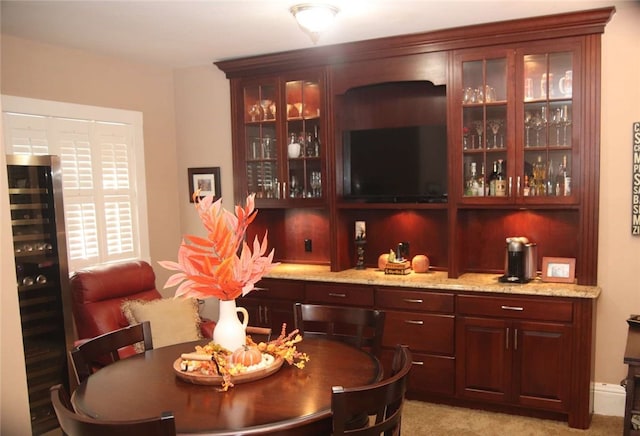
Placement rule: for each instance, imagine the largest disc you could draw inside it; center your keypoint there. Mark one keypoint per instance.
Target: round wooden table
(145, 385)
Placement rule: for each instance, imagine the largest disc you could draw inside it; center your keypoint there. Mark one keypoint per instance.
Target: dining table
(146, 384)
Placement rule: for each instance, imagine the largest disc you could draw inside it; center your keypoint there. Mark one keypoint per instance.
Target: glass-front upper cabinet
(261, 140)
(485, 130)
(548, 115)
(282, 149)
(304, 148)
(519, 125)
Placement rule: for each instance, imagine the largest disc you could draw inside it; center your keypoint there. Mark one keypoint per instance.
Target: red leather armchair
(98, 292)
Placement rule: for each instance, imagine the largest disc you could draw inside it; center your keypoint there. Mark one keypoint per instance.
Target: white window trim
(77, 111)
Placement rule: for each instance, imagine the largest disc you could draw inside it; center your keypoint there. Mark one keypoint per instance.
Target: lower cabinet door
(542, 365)
(524, 363)
(484, 359)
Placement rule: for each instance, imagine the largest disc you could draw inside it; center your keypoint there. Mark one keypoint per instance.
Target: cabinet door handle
(506, 339)
(266, 315)
(414, 362)
(413, 300)
(256, 288)
(510, 185)
(516, 308)
(515, 339)
(335, 294)
(518, 186)
(414, 321)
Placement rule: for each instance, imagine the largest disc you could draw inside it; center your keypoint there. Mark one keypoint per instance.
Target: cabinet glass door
(260, 116)
(304, 149)
(548, 128)
(484, 128)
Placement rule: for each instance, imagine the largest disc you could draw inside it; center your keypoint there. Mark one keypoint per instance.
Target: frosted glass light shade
(314, 18)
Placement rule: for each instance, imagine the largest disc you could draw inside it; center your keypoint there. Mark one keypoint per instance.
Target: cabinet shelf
(393, 206)
(25, 206)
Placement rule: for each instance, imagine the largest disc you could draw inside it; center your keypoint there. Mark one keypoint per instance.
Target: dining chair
(73, 424)
(102, 350)
(357, 326)
(259, 334)
(381, 401)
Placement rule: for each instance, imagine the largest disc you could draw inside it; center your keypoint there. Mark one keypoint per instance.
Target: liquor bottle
(492, 179)
(316, 142)
(481, 182)
(526, 190)
(501, 181)
(472, 183)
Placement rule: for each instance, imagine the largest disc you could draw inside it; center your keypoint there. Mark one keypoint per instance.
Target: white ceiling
(183, 33)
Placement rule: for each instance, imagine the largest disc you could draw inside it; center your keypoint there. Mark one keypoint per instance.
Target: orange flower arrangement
(211, 267)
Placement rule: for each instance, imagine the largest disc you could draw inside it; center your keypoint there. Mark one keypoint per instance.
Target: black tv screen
(403, 164)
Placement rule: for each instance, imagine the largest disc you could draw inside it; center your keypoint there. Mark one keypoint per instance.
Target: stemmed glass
(556, 120)
(264, 104)
(479, 130)
(565, 119)
(539, 122)
(494, 125)
(528, 117)
(316, 184)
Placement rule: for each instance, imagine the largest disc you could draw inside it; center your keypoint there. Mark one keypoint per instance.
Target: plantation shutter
(100, 186)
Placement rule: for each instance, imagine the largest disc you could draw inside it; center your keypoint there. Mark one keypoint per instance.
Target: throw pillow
(173, 321)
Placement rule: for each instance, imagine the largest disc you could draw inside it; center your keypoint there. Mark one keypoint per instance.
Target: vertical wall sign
(635, 190)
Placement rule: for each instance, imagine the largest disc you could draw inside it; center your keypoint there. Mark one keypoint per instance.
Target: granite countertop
(431, 280)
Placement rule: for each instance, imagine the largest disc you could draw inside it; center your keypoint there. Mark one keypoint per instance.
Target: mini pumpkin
(246, 356)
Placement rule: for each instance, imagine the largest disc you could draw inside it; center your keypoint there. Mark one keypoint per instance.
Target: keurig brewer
(520, 260)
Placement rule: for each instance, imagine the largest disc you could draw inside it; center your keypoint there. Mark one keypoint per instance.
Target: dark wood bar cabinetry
(520, 96)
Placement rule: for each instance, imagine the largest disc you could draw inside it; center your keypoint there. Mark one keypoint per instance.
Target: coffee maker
(520, 260)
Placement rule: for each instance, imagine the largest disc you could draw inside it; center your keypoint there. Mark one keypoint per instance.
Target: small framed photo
(207, 180)
(558, 269)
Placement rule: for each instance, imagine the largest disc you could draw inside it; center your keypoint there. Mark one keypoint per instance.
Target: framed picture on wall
(558, 269)
(207, 180)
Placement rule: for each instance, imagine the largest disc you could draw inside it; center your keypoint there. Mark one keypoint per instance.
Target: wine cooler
(37, 221)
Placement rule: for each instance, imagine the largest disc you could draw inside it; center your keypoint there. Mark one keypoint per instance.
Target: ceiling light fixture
(314, 18)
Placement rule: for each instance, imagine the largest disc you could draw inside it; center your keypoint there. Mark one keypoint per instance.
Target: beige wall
(619, 251)
(187, 123)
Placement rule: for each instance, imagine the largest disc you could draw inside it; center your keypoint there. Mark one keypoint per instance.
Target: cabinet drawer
(340, 294)
(279, 289)
(395, 298)
(519, 308)
(429, 374)
(420, 331)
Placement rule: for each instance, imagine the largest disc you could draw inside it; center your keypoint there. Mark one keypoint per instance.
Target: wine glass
(556, 120)
(528, 117)
(264, 104)
(565, 119)
(495, 125)
(479, 130)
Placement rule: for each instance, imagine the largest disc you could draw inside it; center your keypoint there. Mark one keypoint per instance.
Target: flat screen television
(396, 165)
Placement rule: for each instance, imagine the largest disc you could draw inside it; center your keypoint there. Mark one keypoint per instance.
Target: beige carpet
(419, 418)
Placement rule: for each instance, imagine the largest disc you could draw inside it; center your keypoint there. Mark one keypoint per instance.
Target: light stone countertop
(487, 283)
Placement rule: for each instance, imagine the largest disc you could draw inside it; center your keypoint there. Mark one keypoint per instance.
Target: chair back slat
(102, 350)
(383, 400)
(73, 424)
(360, 327)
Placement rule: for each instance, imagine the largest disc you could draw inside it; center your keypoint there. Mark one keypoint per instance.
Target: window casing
(102, 162)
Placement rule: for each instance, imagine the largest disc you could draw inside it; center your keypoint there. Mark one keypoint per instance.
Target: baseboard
(608, 399)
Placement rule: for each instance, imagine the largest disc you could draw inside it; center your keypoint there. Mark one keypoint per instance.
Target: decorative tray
(203, 379)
